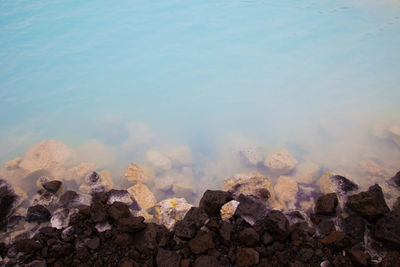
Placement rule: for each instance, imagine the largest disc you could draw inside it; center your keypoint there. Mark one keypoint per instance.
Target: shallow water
(115, 81)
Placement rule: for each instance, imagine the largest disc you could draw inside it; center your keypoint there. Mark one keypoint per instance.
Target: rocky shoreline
(236, 227)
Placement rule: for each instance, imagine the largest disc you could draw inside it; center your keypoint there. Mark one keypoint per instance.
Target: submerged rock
(306, 172)
(286, 190)
(143, 196)
(135, 173)
(251, 156)
(171, 210)
(52, 186)
(280, 162)
(158, 160)
(250, 184)
(370, 205)
(336, 184)
(94, 183)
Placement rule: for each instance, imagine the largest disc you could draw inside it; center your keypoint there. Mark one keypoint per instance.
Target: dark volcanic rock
(370, 205)
(193, 220)
(277, 225)
(205, 260)
(343, 184)
(28, 246)
(167, 258)
(354, 226)
(396, 179)
(248, 237)
(93, 243)
(119, 210)
(358, 257)
(7, 200)
(251, 209)
(212, 201)
(98, 213)
(201, 243)
(131, 224)
(38, 213)
(52, 186)
(326, 205)
(67, 197)
(333, 237)
(247, 257)
(387, 230)
(325, 227)
(225, 231)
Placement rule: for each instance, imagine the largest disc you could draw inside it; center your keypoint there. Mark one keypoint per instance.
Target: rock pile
(229, 228)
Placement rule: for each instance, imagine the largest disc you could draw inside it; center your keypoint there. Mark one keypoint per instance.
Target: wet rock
(330, 183)
(247, 257)
(250, 184)
(94, 183)
(333, 237)
(248, 237)
(251, 209)
(118, 210)
(280, 162)
(167, 258)
(296, 217)
(205, 260)
(266, 238)
(60, 218)
(171, 210)
(38, 213)
(47, 155)
(7, 201)
(226, 230)
(251, 156)
(123, 240)
(387, 230)
(158, 160)
(229, 209)
(135, 173)
(28, 246)
(370, 205)
(123, 196)
(193, 220)
(67, 197)
(36, 263)
(131, 224)
(201, 243)
(277, 225)
(98, 212)
(358, 257)
(93, 243)
(396, 179)
(325, 227)
(143, 196)
(326, 205)
(354, 226)
(286, 189)
(52, 186)
(212, 201)
(306, 172)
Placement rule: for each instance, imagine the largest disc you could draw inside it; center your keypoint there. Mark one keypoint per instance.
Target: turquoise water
(314, 77)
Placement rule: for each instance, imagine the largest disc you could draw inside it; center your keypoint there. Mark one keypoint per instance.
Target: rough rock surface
(212, 201)
(370, 205)
(52, 186)
(229, 209)
(286, 190)
(326, 205)
(169, 211)
(143, 196)
(280, 162)
(135, 173)
(330, 183)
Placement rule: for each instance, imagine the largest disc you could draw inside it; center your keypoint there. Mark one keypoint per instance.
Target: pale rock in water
(106, 176)
(229, 209)
(171, 210)
(371, 170)
(79, 172)
(394, 134)
(143, 196)
(164, 183)
(184, 190)
(47, 155)
(94, 183)
(286, 190)
(251, 156)
(158, 160)
(60, 218)
(280, 162)
(180, 156)
(135, 173)
(251, 184)
(306, 172)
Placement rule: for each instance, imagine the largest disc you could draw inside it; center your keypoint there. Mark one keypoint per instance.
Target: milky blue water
(313, 77)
